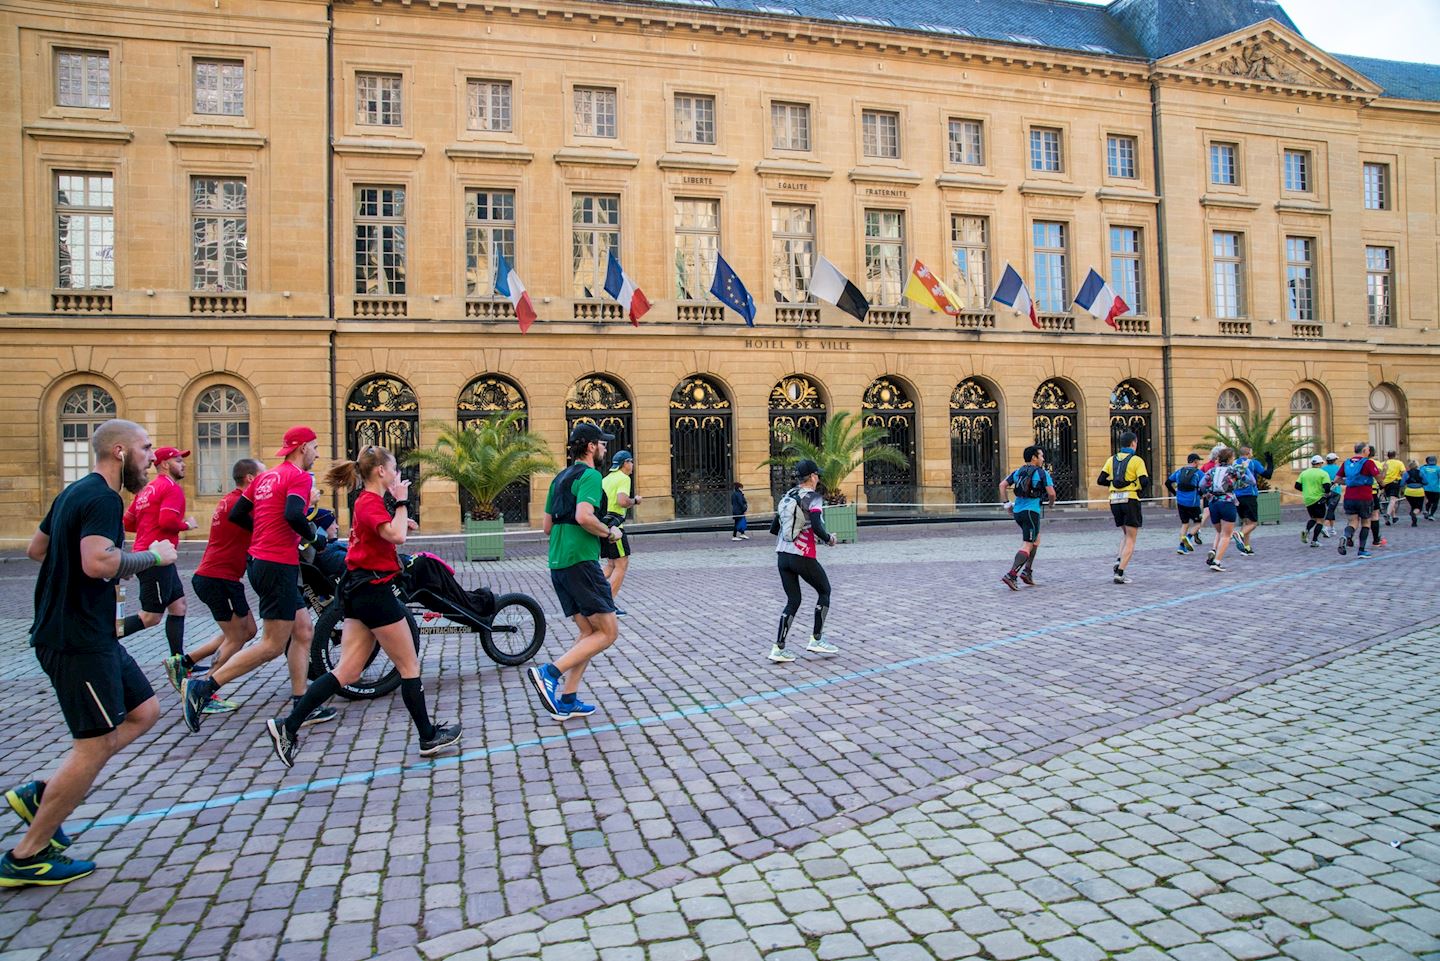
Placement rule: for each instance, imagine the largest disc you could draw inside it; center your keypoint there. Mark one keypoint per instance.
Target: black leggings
(794, 569)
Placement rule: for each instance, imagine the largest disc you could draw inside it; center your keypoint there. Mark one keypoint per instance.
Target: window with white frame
(1300, 278)
(1230, 410)
(595, 232)
(219, 231)
(884, 257)
(1046, 151)
(82, 411)
(694, 118)
(487, 105)
(1224, 164)
(1052, 276)
(380, 241)
(1297, 171)
(697, 244)
(792, 252)
(378, 99)
(595, 112)
(1305, 416)
(489, 234)
(1120, 156)
(880, 134)
(1228, 259)
(1127, 267)
(222, 436)
(219, 87)
(970, 256)
(967, 142)
(84, 231)
(1377, 186)
(82, 78)
(1380, 286)
(790, 125)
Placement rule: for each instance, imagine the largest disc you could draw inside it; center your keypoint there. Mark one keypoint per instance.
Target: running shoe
(195, 693)
(1342, 545)
(1239, 541)
(1304, 537)
(573, 707)
(1389, 520)
(218, 705)
(25, 801)
(320, 715)
(1009, 581)
(744, 537)
(734, 537)
(1362, 553)
(780, 655)
(1210, 558)
(174, 670)
(50, 869)
(446, 735)
(1121, 579)
(1382, 542)
(544, 686)
(1184, 548)
(1414, 521)
(1215, 567)
(620, 613)
(821, 646)
(1247, 550)
(1315, 543)
(1196, 538)
(285, 745)
(1028, 578)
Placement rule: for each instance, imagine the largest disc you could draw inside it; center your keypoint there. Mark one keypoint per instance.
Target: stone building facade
(230, 217)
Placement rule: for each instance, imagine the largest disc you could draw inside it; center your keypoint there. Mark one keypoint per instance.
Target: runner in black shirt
(105, 698)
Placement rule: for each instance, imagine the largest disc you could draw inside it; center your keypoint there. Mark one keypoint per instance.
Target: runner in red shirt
(1358, 475)
(217, 584)
(273, 506)
(374, 613)
(158, 514)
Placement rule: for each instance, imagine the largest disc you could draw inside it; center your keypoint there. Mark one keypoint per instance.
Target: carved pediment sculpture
(1253, 63)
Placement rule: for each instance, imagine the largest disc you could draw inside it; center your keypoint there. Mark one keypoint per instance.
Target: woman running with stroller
(373, 613)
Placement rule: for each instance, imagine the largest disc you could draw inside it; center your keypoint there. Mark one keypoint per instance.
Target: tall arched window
(701, 468)
(487, 396)
(82, 410)
(1305, 415)
(222, 436)
(1230, 409)
(797, 409)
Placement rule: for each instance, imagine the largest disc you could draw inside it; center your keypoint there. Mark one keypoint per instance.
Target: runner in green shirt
(1314, 487)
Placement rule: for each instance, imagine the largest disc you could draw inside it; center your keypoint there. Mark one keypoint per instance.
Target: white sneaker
(744, 537)
(781, 655)
(1121, 579)
(821, 647)
(734, 537)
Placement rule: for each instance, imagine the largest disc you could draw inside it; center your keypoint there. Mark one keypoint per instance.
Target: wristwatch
(404, 503)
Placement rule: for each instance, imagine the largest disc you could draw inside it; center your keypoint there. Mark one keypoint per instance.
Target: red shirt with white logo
(225, 552)
(274, 539)
(157, 513)
(368, 550)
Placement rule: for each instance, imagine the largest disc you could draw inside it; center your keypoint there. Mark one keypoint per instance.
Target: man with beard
(158, 514)
(104, 696)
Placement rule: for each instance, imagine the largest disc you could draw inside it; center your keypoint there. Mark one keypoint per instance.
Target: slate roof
(1163, 27)
(1407, 81)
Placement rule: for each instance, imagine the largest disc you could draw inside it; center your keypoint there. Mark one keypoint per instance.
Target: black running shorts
(1127, 514)
(582, 589)
(159, 588)
(1316, 510)
(1029, 522)
(1248, 507)
(1394, 488)
(96, 689)
(278, 588)
(614, 550)
(374, 605)
(1190, 514)
(226, 599)
(1361, 509)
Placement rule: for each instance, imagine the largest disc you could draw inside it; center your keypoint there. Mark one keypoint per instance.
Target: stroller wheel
(516, 631)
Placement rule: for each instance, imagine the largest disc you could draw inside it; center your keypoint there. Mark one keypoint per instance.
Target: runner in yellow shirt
(1126, 477)
(1392, 472)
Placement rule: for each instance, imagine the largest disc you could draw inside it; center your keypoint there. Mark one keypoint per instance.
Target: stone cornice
(212, 137)
(77, 131)
(963, 182)
(1126, 196)
(1237, 203)
(884, 175)
(1301, 207)
(709, 163)
(508, 153)
(1042, 188)
(596, 157)
(354, 146)
(794, 168)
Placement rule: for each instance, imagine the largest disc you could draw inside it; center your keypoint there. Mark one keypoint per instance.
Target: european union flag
(728, 289)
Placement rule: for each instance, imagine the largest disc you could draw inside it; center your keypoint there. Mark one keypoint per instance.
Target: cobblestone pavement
(1193, 766)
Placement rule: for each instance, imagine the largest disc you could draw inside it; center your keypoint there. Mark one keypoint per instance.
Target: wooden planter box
(1267, 505)
(840, 521)
(484, 540)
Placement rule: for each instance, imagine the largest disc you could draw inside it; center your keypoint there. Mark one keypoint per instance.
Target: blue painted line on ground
(365, 777)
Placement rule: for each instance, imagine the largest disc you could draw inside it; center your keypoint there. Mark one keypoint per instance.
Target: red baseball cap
(165, 453)
(295, 438)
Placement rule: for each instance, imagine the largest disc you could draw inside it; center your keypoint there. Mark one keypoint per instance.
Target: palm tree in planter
(845, 444)
(1259, 432)
(483, 458)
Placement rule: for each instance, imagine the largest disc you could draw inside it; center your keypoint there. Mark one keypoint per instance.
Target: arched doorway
(487, 396)
(601, 401)
(797, 409)
(888, 405)
(1130, 410)
(974, 443)
(81, 412)
(1055, 417)
(1387, 420)
(382, 411)
(700, 448)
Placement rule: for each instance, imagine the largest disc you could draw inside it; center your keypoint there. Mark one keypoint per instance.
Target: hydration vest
(563, 502)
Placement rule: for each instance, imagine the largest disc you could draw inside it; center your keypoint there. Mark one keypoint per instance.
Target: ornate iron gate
(600, 401)
(886, 405)
(796, 410)
(974, 443)
(1129, 410)
(700, 449)
(487, 396)
(383, 412)
(1054, 416)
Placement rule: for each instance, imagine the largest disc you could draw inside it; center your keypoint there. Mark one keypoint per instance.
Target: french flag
(626, 294)
(1013, 293)
(508, 285)
(1098, 298)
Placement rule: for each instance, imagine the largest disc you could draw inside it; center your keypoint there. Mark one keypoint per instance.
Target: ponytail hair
(343, 475)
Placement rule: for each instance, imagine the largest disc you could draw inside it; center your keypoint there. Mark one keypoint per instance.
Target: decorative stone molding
(964, 182)
(885, 175)
(504, 152)
(596, 157)
(353, 146)
(1041, 188)
(75, 131)
(216, 137)
(690, 161)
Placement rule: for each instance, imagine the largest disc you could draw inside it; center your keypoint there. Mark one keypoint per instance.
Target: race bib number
(1119, 497)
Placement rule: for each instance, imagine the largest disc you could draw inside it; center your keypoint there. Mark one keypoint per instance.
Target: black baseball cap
(589, 433)
(805, 468)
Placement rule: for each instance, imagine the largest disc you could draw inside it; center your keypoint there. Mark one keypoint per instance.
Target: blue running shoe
(544, 684)
(1363, 553)
(194, 696)
(50, 869)
(25, 801)
(571, 706)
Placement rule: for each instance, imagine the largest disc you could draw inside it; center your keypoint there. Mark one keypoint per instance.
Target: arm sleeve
(1170, 483)
(1269, 470)
(817, 523)
(1104, 479)
(296, 506)
(242, 513)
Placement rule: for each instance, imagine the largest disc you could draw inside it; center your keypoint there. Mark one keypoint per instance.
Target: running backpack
(1188, 479)
(1223, 479)
(789, 521)
(1030, 482)
(1356, 479)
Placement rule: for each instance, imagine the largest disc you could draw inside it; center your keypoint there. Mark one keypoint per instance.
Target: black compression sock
(1020, 558)
(785, 620)
(175, 633)
(1030, 558)
(820, 612)
(322, 689)
(132, 624)
(413, 691)
(1364, 536)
